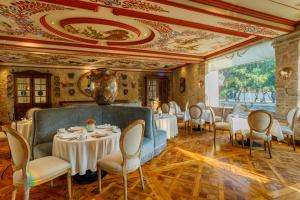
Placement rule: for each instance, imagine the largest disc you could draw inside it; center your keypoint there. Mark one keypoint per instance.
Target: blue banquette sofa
(47, 121)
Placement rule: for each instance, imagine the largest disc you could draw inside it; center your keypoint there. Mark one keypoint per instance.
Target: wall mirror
(84, 84)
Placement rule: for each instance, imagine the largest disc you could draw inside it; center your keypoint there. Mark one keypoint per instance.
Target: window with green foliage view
(252, 84)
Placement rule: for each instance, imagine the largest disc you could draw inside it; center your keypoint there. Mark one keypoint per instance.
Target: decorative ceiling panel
(130, 34)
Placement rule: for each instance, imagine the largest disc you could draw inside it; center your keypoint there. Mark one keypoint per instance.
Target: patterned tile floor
(189, 169)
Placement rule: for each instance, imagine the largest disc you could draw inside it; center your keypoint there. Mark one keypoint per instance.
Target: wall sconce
(201, 83)
(285, 73)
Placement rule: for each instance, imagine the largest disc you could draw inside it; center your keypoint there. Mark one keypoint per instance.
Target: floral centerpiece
(90, 125)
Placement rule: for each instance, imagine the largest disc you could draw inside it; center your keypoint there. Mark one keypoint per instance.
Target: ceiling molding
(244, 43)
(180, 22)
(246, 11)
(75, 4)
(18, 39)
(199, 10)
(93, 52)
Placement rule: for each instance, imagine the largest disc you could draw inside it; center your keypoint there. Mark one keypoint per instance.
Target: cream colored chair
(260, 122)
(27, 173)
(29, 113)
(165, 108)
(289, 130)
(196, 117)
(220, 126)
(128, 159)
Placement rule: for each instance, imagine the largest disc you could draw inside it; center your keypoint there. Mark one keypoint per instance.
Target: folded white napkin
(103, 126)
(67, 135)
(75, 128)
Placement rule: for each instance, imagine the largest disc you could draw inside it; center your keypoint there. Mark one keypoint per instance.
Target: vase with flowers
(90, 125)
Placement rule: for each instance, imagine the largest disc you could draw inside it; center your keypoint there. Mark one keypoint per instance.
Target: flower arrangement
(90, 121)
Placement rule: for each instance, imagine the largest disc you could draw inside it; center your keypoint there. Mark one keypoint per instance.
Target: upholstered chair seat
(222, 126)
(42, 169)
(219, 119)
(27, 173)
(219, 126)
(260, 123)
(113, 163)
(287, 130)
(196, 116)
(127, 159)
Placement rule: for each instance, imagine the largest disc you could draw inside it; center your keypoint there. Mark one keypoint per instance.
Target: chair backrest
(260, 121)
(213, 115)
(29, 113)
(165, 108)
(19, 150)
(291, 117)
(131, 140)
(195, 112)
(201, 105)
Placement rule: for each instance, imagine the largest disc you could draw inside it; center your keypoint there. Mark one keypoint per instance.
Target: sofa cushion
(160, 141)
(122, 116)
(147, 152)
(42, 150)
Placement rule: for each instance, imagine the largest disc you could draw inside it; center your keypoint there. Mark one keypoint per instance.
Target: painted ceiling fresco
(134, 34)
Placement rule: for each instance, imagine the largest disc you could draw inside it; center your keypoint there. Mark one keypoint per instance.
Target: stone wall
(194, 91)
(287, 52)
(134, 83)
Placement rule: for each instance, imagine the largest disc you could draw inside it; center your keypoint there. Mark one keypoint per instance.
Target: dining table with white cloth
(168, 123)
(83, 149)
(24, 127)
(240, 123)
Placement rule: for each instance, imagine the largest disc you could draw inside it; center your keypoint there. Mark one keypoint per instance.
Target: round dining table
(239, 123)
(24, 127)
(168, 123)
(83, 150)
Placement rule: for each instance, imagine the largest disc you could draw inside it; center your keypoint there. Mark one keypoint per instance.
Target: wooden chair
(126, 160)
(165, 108)
(260, 122)
(289, 130)
(220, 126)
(196, 117)
(27, 173)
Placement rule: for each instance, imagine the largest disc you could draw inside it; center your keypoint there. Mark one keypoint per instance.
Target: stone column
(287, 53)
(194, 75)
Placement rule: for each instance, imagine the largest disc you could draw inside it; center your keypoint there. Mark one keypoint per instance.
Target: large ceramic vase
(105, 86)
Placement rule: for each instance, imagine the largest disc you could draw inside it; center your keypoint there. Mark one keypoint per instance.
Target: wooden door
(32, 89)
(156, 88)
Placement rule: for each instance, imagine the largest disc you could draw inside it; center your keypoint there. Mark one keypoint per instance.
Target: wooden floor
(189, 169)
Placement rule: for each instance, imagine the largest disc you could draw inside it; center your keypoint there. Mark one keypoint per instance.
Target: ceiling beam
(200, 10)
(180, 22)
(47, 42)
(246, 11)
(75, 4)
(252, 40)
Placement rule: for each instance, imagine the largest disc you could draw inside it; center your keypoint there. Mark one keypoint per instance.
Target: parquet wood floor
(189, 169)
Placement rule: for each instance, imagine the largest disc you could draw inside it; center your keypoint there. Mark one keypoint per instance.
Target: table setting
(84, 146)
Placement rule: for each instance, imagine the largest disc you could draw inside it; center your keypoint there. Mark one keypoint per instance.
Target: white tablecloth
(206, 115)
(23, 127)
(238, 123)
(167, 123)
(83, 155)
